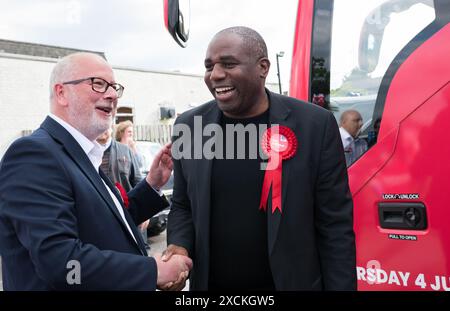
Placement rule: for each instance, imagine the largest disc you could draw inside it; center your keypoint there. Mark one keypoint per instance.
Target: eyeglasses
(100, 85)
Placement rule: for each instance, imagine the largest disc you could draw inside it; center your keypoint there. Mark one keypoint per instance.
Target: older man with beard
(63, 225)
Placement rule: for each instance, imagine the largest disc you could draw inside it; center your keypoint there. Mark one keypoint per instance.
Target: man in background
(119, 163)
(350, 126)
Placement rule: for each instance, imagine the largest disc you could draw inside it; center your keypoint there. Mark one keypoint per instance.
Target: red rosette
(278, 143)
(123, 194)
(281, 140)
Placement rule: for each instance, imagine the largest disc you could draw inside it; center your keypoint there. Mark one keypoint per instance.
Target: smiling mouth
(106, 110)
(223, 90)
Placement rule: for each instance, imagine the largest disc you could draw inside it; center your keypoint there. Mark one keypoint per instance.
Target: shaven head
(252, 40)
(351, 121)
(236, 66)
(348, 114)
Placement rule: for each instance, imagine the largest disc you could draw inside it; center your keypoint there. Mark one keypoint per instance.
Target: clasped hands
(173, 268)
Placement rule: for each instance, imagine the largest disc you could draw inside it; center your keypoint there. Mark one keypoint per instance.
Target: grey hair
(65, 69)
(253, 41)
(60, 72)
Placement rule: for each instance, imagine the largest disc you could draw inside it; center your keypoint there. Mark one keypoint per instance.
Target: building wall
(24, 93)
(148, 91)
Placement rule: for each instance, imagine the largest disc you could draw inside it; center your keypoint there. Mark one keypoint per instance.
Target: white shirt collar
(345, 136)
(93, 150)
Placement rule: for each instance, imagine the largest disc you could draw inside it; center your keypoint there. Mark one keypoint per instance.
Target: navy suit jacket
(54, 208)
(311, 243)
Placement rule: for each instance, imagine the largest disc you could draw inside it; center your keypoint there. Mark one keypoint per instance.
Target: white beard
(89, 124)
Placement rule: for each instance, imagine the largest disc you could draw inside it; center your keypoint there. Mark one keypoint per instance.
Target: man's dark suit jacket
(311, 244)
(54, 208)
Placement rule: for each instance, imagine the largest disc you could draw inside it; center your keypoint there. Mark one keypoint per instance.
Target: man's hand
(171, 251)
(172, 272)
(161, 168)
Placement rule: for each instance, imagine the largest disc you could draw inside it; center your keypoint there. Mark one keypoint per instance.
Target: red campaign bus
(389, 60)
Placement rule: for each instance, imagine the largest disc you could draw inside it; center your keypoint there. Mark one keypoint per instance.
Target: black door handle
(402, 215)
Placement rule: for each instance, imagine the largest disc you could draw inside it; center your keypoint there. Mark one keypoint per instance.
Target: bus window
(365, 38)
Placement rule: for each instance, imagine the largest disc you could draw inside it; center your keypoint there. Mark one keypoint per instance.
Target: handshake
(173, 268)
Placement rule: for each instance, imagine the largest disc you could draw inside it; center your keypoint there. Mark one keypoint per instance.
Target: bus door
(388, 60)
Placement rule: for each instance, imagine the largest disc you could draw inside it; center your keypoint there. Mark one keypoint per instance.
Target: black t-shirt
(239, 256)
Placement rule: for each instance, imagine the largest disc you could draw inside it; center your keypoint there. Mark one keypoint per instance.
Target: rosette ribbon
(123, 194)
(278, 143)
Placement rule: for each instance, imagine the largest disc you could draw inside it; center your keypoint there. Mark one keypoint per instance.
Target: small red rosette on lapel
(278, 143)
(123, 194)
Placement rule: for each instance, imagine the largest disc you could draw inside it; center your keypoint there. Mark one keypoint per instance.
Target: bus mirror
(177, 20)
(373, 28)
(370, 41)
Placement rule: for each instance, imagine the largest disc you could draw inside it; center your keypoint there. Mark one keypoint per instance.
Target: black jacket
(312, 243)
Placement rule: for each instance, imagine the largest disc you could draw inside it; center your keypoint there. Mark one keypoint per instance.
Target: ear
(264, 66)
(60, 94)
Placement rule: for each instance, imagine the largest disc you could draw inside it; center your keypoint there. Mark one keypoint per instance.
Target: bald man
(350, 125)
(63, 225)
(306, 244)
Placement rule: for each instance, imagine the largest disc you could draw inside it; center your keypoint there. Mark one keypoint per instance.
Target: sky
(132, 32)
